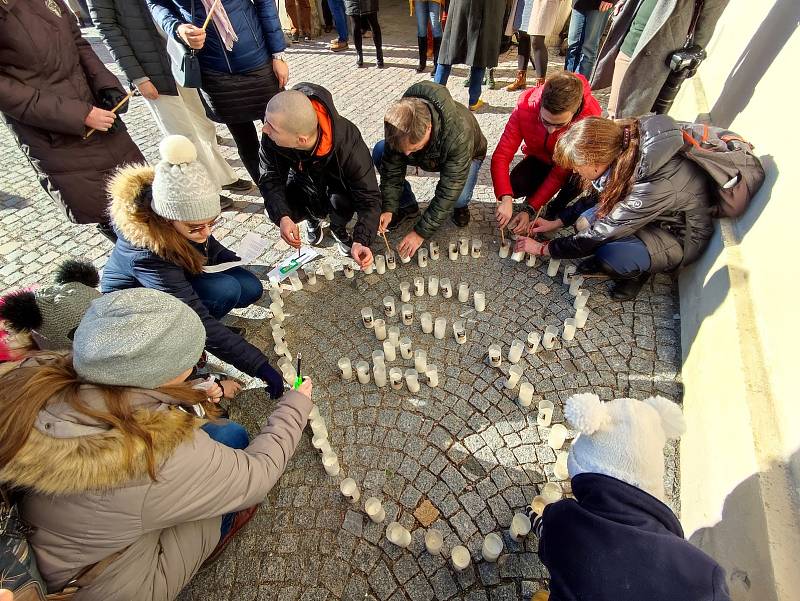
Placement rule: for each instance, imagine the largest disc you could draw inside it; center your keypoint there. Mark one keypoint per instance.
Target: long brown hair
(598, 141)
(26, 389)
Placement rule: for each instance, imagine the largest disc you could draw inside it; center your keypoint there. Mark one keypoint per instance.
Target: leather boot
(437, 43)
(520, 83)
(422, 44)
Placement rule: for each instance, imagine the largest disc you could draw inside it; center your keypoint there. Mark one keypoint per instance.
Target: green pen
(299, 380)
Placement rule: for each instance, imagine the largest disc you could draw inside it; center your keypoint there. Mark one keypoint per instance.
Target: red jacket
(526, 126)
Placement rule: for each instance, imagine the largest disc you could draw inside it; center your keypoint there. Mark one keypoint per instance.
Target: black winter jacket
(456, 139)
(346, 169)
(668, 207)
(132, 37)
(615, 542)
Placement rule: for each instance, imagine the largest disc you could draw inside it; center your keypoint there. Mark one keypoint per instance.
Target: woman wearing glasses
(163, 217)
(542, 115)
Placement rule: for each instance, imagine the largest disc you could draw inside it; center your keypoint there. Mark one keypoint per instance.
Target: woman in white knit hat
(163, 217)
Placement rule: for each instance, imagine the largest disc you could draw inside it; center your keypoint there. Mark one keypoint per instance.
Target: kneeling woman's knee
(623, 260)
(252, 289)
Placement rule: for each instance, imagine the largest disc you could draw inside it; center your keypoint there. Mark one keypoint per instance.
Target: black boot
(437, 43)
(628, 289)
(379, 55)
(422, 44)
(359, 59)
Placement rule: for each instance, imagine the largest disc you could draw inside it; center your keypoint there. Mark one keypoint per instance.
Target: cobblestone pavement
(465, 446)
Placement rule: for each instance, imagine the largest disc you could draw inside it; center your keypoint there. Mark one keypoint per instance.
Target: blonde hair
(406, 122)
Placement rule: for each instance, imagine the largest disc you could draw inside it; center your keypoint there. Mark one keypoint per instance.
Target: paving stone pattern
(466, 447)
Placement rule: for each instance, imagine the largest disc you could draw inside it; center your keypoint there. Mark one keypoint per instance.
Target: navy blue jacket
(615, 542)
(256, 23)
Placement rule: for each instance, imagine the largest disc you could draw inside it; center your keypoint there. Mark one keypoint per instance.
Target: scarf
(222, 23)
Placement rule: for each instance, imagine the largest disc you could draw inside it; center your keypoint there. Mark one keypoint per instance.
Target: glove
(273, 380)
(108, 98)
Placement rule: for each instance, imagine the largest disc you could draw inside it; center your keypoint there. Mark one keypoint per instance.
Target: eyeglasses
(547, 123)
(196, 229)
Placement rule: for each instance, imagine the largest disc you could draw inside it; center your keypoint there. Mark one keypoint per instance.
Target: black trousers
(248, 143)
(314, 200)
(530, 173)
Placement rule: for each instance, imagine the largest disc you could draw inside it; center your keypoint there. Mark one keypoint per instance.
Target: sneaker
(338, 46)
(344, 241)
(461, 216)
(402, 215)
(314, 232)
(225, 202)
(477, 106)
(625, 290)
(240, 186)
(241, 518)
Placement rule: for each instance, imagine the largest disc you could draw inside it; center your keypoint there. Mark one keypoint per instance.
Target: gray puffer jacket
(668, 207)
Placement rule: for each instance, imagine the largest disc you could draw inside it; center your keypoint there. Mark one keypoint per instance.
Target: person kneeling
(122, 486)
(648, 210)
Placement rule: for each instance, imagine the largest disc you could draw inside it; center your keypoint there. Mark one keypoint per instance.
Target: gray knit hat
(62, 307)
(137, 337)
(182, 188)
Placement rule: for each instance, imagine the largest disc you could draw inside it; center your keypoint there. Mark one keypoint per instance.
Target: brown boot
(520, 83)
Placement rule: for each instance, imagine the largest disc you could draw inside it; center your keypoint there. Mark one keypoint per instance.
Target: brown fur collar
(64, 466)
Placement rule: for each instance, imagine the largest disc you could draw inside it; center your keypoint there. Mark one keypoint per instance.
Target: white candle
(479, 298)
(505, 249)
(405, 292)
(538, 504)
(394, 335)
(375, 510)
(460, 557)
(370, 268)
(575, 284)
(389, 351)
(560, 470)
(380, 264)
(557, 436)
(419, 286)
(495, 355)
(422, 257)
(433, 285)
(476, 248)
(433, 376)
(318, 427)
(279, 336)
(277, 312)
(567, 276)
(552, 492)
(492, 547)
(311, 277)
(545, 416)
(531, 260)
(426, 321)
(452, 251)
(379, 371)
(331, 464)
(515, 353)
(405, 258)
(346, 367)
(434, 250)
(407, 314)
(282, 350)
(420, 360)
(549, 338)
(518, 256)
(405, 347)
(581, 315)
(348, 270)
(463, 246)
(362, 370)
(447, 287)
(366, 316)
(433, 542)
(398, 535)
(514, 374)
(552, 267)
(460, 332)
(412, 381)
(378, 358)
(439, 328)
(525, 394)
(349, 489)
(581, 299)
(388, 306)
(391, 261)
(569, 328)
(294, 279)
(463, 292)
(314, 413)
(520, 527)
(327, 271)
(320, 442)
(379, 325)
(534, 338)
(396, 378)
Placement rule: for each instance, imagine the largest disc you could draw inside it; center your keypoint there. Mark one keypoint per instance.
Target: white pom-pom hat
(623, 438)
(182, 188)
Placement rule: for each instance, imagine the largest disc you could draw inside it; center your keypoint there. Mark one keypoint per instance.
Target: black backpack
(736, 173)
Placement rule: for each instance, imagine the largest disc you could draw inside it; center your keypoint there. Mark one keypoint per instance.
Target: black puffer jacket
(456, 139)
(668, 207)
(347, 168)
(129, 33)
(360, 7)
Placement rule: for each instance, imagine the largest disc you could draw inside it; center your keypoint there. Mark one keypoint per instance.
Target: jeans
(585, 30)
(231, 435)
(425, 10)
(234, 288)
(623, 258)
(530, 173)
(475, 80)
(407, 198)
(339, 18)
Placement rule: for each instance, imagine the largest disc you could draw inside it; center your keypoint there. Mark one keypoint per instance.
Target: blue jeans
(425, 10)
(585, 30)
(475, 80)
(623, 258)
(232, 435)
(407, 198)
(235, 288)
(339, 18)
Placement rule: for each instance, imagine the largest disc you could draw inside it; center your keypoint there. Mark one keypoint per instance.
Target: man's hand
(410, 244)
(99, 119)
(148, 90)
(504, 210)
(604, 6)
(543, 226)
(306, 388)
(519, 224)
(528, 245)
(383, 224)
(192, 36)
(290, 232)
(361, 254)
(281, 70)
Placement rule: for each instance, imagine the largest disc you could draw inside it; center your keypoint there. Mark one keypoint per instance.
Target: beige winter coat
(87, 502)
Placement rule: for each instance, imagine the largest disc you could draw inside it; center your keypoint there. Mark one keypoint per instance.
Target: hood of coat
(69, 452)
(660, 139)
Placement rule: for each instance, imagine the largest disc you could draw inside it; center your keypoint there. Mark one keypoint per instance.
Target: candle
(552, 492)
(492, 547)
(407, 313)
(311, 277)
(426, 321)
(348, 270)
(327, 271)
(346, 367)
(380, 264)
(378, 358)
(366, 316)
(439, 328)
(405, 292)
(434, 250)
(362, 370)
(294, 279)
(569, 328)
(398, 535)
(538, 504)
(545, 415)
(575, 285)
(396, 378)
(514, 374)
(520, 527)
(433, 285)
(549, 338)
(495, 355)
(463, 292)
(422, 257)
(405, 347)
(433, 376)
(515, 353)
(568, 271)
(561, 470)
(379, 325)
(557, 436)
(518, 256)
(460, 332)
(388, 306)
(531, 260)
(389, 351)
(552, 267)
(420, 360)
(479, 298)
(350, 490)
(581, 299)
(331, 464)
(314, 413)
(375, 510)
(370, 268)
(280, 348)
(452, 251)
(463, 246)
(279, 336)
(419, 286)
(534, 338)
(525, 394)
(289, 374)
(394, 335)
(320, 442)
(405, 258)
(412, 380)
(277, 312)
(505, 249)
(275, 296)
(433, 542)
(391, 261)
(318, 427)
(447, 287)
(476, 248)
(460, 557)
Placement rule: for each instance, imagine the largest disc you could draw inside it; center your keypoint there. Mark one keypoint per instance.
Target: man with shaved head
(315, 164)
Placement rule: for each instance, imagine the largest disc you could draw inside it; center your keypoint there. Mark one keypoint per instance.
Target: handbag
(184, 62)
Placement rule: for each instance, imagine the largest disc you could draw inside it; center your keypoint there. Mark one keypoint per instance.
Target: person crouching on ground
(117, 476)
(648, 210)
(426, 128)
(163, 218)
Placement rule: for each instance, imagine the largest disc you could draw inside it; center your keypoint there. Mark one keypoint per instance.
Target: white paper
(291, 263)
(250, 248)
